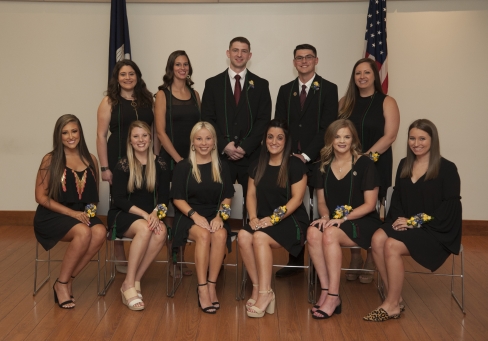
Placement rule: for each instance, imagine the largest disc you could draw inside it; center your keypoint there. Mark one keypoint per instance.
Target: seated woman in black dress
(202, 192)
(275, 191)
(66, 183)
(425, 216)
(140, 186)
(347, 189)
(176, 111)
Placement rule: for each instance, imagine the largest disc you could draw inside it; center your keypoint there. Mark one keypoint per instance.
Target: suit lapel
(295, 99)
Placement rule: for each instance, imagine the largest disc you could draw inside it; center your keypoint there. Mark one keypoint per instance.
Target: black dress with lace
(204, 197)
(440, 198)
(141, 198)
(50, 226)
(181, 116)
(123, 114)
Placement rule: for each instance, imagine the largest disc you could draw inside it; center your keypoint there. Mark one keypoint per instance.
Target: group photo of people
(182, 148)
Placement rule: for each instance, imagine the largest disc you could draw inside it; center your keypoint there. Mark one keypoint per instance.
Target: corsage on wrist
(278, 214)
(418, 220)
(374, 156)
(342, 212)
(161, 211)
(225, 212)
(90, 210)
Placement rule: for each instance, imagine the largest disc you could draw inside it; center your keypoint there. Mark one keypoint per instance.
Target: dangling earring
(213, 147)
(118, 87)
(193, 148)
(188, 77)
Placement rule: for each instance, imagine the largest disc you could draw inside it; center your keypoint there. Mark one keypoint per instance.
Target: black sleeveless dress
(350, 191)
(142, 198)
(369, 121)
(204, 197)
(181, 116)
(50, 226)
(290, 233)
(123, 114)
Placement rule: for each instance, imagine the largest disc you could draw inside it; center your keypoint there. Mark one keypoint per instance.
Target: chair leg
(109, 266)
(37, 260)
(237, 272)
(176, 282)
(311, 282)
(460, 304)
(243, 282)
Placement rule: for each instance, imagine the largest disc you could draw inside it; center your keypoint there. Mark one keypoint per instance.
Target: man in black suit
(238, 104)
(309, 104)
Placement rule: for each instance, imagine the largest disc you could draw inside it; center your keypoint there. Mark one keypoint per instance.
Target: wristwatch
(191, 212)
(103, 169)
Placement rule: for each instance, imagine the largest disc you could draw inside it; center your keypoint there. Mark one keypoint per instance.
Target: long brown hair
(170, 73)
(327, 153)
(352, 90)
(57, 163)
(136, 179)
(264, 155)
(435, 151)
(142, 96)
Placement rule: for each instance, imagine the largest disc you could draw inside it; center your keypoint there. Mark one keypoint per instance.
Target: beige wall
(53, 60)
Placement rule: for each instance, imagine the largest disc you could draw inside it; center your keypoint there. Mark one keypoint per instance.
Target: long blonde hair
(327, 153)
(214, 154)
(136, 179)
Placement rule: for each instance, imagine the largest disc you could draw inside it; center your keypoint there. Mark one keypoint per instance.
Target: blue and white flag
(119, 47)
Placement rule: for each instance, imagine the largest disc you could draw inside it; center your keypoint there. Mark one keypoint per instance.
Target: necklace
(134, 105)
(80, 183)
(343, 165)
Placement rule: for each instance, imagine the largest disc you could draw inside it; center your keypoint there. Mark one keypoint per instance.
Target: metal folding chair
(453, 273)
(48, 260)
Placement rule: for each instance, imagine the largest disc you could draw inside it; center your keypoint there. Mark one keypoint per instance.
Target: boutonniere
(315, 86)
(251, 85)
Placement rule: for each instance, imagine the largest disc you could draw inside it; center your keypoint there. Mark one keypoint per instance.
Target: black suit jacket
(308, 126)
(243, 123)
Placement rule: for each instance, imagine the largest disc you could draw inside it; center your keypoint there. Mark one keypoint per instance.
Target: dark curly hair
(142, 96)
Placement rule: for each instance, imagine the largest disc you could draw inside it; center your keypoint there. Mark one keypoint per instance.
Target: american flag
(375, 39)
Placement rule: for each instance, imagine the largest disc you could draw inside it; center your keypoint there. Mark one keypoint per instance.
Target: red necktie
(237, 89)
(303, 96)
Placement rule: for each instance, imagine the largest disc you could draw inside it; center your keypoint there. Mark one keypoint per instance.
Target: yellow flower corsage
(161, 211)
(278, 214)
(225, 212)
(90, 210)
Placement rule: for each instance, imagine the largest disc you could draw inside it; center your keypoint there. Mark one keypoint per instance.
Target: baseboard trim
(26, 218)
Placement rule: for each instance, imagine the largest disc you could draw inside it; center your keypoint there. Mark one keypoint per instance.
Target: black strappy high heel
(214, 303)
(206, 310)
(63, 304)
(317, 306)
(337, 310)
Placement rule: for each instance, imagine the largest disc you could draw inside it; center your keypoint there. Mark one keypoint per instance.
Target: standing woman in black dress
(67, 181)
(427, 189)
(377, 119)
(347, 189)
(140, 186)
(277, 217)
(176, 111)
(127, 100)
(201, 192)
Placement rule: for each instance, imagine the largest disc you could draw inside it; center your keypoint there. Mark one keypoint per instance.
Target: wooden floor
(431, 313)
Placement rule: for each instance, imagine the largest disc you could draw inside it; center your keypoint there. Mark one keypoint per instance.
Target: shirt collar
(232, 73)
(308, 84)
